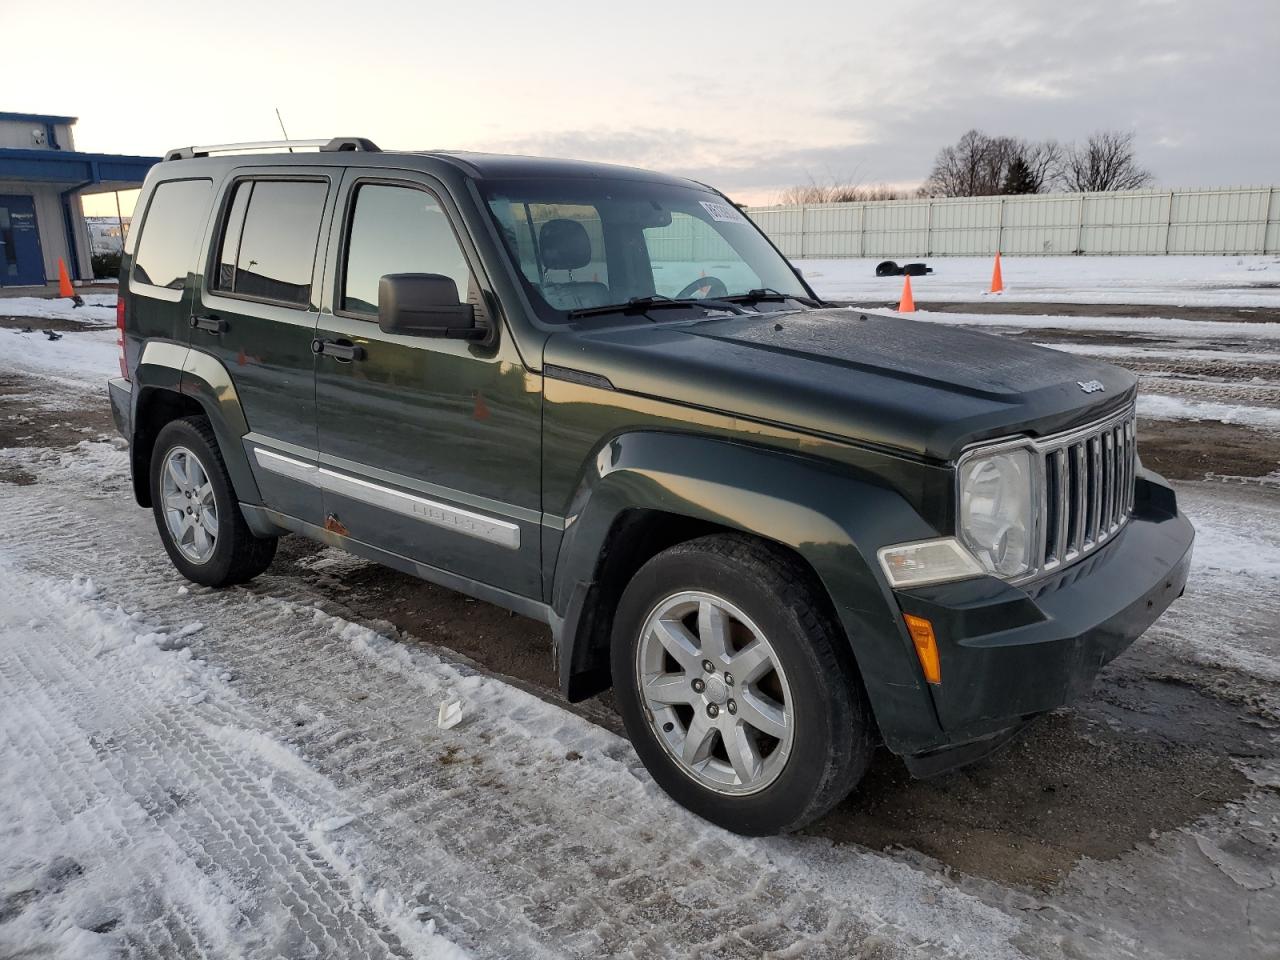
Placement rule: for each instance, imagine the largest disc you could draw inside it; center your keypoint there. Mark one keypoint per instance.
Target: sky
(750, 97)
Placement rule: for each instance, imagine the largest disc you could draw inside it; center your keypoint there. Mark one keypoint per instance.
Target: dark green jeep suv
(783, 531)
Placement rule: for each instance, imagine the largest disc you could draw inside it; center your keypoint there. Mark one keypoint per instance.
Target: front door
(429, 448)
(21, 260)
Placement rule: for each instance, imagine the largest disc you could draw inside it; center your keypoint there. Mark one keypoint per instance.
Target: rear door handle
(338, 349)
(213, 324)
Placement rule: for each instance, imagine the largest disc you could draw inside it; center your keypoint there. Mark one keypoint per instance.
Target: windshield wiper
(768, 294)
(655, 302)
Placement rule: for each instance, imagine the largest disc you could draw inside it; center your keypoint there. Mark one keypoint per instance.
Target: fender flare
(198, 376)
(833, 517)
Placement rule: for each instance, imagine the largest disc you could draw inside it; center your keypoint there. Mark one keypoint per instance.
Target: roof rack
(336, 145)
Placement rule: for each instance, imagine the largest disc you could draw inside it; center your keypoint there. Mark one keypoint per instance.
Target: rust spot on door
(334, 525)
(481, 411)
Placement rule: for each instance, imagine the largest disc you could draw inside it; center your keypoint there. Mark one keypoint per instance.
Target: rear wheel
(196, 510)
(735, 687)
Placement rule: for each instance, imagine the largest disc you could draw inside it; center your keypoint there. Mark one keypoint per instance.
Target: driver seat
(565, 245)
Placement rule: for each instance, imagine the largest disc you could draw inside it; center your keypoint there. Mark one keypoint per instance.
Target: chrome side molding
(489, 529)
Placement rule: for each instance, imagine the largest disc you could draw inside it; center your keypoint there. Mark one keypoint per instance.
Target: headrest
(565, 245)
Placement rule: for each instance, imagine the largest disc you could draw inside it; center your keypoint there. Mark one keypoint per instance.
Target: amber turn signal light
(921, 631)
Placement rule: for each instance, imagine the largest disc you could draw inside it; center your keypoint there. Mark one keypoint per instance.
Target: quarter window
(268, 249)
(398, 230)
(171, 233)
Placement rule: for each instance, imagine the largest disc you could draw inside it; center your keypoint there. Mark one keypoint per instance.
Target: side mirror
(425, 305)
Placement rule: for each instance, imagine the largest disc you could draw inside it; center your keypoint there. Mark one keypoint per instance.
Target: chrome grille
(1087, 491)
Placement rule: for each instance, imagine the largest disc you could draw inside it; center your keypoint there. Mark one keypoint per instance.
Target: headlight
(997, 513)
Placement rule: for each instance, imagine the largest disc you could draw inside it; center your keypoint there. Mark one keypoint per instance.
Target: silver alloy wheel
(714, 693)
(190, 511)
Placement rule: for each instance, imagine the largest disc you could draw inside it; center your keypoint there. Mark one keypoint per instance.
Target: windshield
(585, 244)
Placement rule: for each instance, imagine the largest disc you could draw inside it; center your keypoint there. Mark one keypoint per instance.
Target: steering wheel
(704, 288)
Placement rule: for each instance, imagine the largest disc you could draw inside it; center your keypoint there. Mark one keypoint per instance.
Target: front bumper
(1009, 653)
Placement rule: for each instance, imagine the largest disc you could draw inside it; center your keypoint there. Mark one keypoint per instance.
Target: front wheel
(196, 509)
(735, 685)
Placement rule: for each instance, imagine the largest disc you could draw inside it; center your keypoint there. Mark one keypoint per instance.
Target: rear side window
(268, 248)
(171, 232)
(398, 230)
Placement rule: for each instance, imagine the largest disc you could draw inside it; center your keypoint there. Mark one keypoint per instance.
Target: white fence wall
(1244, 220)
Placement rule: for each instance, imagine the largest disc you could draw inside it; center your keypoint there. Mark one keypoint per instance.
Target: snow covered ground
(99, 309)
(1184, 281)
(258, 772)
(75, 359)
(242, 773)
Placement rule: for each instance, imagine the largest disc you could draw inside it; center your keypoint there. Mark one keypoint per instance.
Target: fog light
(921, 631)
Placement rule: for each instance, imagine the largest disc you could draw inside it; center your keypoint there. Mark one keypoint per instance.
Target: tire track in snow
(157, 753)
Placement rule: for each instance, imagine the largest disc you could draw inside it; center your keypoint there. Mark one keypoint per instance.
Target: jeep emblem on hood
(1090, 386)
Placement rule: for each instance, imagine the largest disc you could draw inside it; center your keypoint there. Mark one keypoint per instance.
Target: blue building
(42, 180)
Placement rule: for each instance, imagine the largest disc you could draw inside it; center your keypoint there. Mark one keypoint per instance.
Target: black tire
(833, 729)
(238, 555)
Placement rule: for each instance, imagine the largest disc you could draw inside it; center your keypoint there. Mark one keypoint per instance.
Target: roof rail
(335, 145)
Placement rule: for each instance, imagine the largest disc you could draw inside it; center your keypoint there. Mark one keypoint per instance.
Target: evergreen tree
(1020, 178)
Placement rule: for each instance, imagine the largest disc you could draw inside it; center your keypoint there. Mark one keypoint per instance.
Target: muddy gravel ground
(1157, 746)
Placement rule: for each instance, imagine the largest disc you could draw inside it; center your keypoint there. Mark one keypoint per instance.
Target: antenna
(282, 129)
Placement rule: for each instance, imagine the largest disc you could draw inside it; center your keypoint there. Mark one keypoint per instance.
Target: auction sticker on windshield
(723, 212)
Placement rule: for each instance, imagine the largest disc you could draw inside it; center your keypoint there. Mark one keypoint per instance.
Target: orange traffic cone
(997, 280)
(64, 284)
(908, 303)
(64, 281)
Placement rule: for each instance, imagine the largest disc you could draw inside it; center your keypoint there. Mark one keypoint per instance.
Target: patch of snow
(99, 309)
(109, 746)
(77, 360)
(1232, 604)
(106, 461)
(1118, 352)
(1157, 406)
(1142, 326)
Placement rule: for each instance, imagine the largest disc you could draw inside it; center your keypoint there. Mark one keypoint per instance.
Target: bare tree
(979, 165)
(963, 169)
(1106, 161)
(835, 191)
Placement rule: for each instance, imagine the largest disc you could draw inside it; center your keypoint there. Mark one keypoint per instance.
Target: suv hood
(924, 388)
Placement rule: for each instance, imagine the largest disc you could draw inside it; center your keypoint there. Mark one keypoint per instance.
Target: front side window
(397, 230)
(583, 244)
(268, 249)
(171, 232)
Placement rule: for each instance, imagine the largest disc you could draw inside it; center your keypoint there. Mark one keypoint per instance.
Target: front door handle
(338, 349)
(213, 324)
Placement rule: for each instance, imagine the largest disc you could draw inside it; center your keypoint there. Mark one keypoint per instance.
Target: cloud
(1194, 81)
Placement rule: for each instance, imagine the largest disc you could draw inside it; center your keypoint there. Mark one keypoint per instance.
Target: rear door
(429, 448)
(257, 315)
